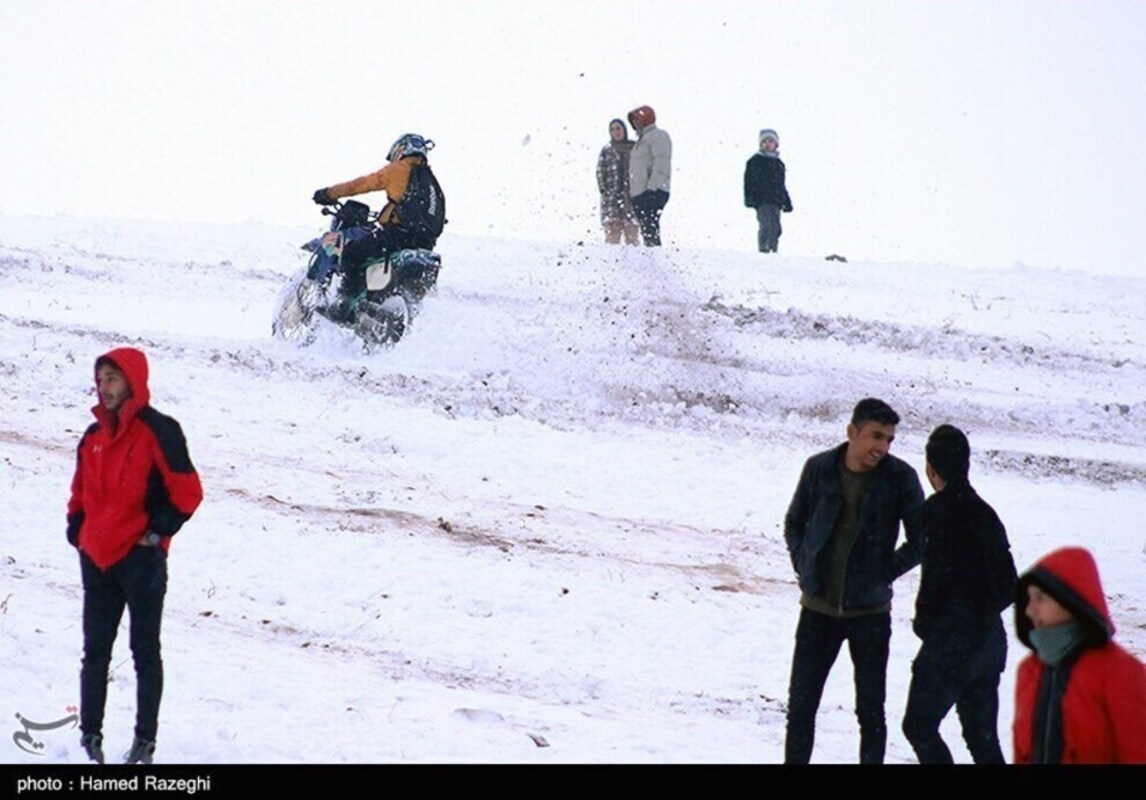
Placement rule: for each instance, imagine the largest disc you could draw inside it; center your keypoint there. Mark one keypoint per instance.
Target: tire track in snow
(539, 537)
(483, 396)
(942, 342)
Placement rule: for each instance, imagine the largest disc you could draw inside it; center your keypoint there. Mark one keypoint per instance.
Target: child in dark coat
(764, 190)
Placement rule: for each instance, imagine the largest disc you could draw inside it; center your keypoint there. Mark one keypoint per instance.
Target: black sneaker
(142, 751)
(92, 743)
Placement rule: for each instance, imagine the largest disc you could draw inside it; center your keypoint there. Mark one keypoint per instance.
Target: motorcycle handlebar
(337, 206)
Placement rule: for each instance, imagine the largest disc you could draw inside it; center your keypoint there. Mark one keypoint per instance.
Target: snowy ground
(546, 528)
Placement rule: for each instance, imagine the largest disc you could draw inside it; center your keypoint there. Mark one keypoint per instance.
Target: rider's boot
(340, 310)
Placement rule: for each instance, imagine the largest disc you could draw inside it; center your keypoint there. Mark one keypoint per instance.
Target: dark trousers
(818, 641)
(139, 581)
(961, 671)
(768, 236)
(356, 254)
(648, 207)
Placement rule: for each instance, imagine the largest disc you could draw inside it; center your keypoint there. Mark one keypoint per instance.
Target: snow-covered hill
(546, 527)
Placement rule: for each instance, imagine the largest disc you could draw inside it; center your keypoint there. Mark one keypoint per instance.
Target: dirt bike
(382, 313)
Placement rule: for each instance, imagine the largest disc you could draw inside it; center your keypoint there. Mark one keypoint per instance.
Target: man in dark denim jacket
(841, 530)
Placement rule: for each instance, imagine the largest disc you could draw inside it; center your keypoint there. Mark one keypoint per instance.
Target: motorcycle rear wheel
(385, 322)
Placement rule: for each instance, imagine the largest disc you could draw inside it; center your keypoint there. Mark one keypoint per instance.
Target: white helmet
(409, 144)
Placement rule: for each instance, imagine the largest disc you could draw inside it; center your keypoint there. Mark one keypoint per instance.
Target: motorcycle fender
(378, 276)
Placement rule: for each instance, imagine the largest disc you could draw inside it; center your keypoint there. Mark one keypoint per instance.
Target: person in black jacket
(841, 530)
(968, 579)
(764, 190)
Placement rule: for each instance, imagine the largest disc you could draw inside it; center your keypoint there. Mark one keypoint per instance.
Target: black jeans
(961, 671)
(648, 207)
(139, 581)
(818, 641)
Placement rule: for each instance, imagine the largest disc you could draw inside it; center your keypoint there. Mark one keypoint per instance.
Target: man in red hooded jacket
(133, 488)
(1079, 697)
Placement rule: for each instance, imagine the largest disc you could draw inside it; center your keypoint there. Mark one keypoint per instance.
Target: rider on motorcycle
(388, 235)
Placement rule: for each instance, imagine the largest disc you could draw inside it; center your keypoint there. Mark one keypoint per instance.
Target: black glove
(323, 198)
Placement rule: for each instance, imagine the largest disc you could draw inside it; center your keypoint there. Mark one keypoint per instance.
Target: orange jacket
(392, 178)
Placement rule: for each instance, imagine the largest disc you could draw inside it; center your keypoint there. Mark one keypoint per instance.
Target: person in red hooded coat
(133, 489)
(1079, 697)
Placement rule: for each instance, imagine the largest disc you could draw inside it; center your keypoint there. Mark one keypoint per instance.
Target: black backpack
(422, 209)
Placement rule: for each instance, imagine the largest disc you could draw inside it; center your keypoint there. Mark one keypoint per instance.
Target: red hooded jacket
(133, 475)
(1101, 693)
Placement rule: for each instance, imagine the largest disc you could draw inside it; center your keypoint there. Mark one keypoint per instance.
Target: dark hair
(105, 361)
(949, 453)
(871, 409)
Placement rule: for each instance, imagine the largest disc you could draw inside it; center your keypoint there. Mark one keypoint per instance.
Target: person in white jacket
(650, 173)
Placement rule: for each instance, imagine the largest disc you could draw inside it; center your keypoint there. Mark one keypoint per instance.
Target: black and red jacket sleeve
(173, 487)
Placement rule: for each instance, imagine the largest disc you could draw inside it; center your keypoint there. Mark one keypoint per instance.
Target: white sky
(969, 133)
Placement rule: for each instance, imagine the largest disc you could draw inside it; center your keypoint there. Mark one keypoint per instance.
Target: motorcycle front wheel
(294, 319)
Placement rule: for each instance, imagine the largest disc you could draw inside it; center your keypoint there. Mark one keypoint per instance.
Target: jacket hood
(1070, 576)
(642, 117)
(133, 364)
